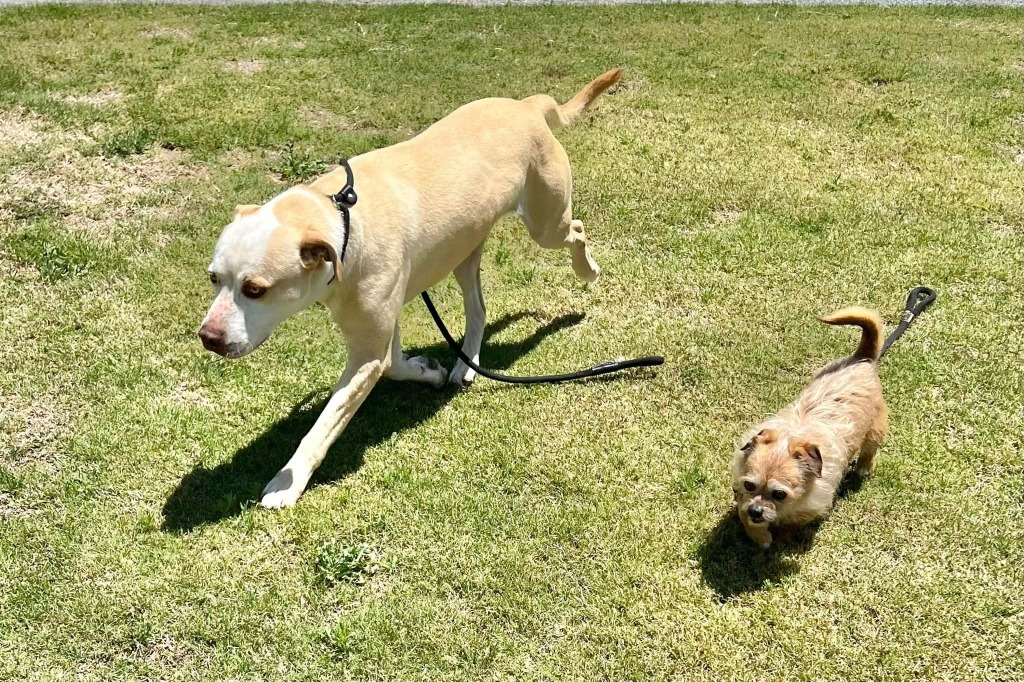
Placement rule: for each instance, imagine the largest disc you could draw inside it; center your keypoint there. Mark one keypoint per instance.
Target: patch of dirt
(167, 32)
(96, 99)
(324, 117)
(244, 66)
(726, 216)
(30, 432)
(20, 129)
(261, 40)
(238, 159)
(9, 507)
(1001, 229)
(185, 395)
(97, 196)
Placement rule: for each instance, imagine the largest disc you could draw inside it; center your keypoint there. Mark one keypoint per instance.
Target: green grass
(757, 167)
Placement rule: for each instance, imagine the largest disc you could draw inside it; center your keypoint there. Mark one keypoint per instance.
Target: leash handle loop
(917, 301)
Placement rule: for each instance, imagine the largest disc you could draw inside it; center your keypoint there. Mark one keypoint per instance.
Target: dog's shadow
(206, 496)
(731, 564)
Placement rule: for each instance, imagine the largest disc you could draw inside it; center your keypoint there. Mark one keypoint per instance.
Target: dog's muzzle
(213, 339)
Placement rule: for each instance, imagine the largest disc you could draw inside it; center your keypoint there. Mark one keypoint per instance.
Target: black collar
(344, 200)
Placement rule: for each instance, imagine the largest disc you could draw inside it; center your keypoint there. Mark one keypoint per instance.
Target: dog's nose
(755, 512)
(212, 337)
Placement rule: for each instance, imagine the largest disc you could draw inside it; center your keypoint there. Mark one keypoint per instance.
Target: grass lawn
(757, 167)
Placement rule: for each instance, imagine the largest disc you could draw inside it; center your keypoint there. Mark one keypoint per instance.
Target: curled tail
(870, 323)
(562, 115)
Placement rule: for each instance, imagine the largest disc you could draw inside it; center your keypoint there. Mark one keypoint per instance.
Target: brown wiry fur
(803, 452)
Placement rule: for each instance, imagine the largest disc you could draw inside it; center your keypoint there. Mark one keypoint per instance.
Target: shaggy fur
(788, 471)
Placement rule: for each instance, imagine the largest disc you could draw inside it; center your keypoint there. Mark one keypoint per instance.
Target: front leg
(361, 373)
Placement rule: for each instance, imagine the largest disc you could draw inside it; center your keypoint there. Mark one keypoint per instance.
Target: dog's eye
(779, 495)
(749, 485)
(250, 290)
(213, 278)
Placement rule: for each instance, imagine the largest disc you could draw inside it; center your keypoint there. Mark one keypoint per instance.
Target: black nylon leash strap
(597, 370)
(919, 299)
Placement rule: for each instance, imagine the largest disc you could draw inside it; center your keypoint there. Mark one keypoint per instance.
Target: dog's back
(846, 395)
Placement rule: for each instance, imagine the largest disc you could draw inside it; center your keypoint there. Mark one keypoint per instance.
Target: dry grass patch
(332, 119)
(168, 32)
(20, 129)
(97, 196)
(30, 431)
(96, 99)
(244, 66)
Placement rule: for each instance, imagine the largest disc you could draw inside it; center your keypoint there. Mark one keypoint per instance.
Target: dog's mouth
(234, 351)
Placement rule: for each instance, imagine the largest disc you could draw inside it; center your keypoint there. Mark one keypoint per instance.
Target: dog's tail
(562, 115)
(870, 323)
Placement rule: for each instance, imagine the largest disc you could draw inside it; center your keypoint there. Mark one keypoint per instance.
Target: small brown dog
(788, 472)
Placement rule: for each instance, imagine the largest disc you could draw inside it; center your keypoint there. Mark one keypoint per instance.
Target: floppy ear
(764, 436)
(243, 210)
(315, 249)
(808, 455)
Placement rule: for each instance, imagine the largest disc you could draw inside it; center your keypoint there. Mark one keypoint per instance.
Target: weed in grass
(127, 142)
(337, 563)
(692, 480)
(502, 254)
(56, 256)
(344, 637)
(10, 482)
(298, 165)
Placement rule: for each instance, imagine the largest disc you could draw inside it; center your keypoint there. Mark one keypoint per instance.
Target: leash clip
(908, 316)
(346, 197)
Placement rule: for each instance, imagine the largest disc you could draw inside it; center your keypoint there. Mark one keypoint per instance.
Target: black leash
(919, 299)
(597, 370)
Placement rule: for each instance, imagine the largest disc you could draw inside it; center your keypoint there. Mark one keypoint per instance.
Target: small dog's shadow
(731, 564)
(208, 495)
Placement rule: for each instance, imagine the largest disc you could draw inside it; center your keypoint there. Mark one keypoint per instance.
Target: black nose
(755, 512)
(212, 338)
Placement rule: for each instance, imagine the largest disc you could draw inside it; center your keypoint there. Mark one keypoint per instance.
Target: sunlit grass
(758, 166)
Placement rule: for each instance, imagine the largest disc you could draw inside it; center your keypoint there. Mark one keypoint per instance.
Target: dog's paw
(463, 375)
(583, 263)
(282, 491)
(430, 369)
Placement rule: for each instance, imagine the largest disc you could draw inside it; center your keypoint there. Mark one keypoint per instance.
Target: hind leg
(546, 208)
(874, 438)
(467, 274)
(420, 368)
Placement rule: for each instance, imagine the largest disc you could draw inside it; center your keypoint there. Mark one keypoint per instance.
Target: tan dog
(791, 466)
(425, 208)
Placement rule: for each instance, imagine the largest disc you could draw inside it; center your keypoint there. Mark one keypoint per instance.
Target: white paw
(463, 375)
(282, 491)
(584, 265)
(430, 369)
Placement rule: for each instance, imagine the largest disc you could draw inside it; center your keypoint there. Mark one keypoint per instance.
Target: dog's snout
(212, 337)
(755, 512)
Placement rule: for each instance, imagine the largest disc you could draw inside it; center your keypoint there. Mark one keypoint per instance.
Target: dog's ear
(763, 437)
(315, 249)
(243, 210)
(808, 454)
